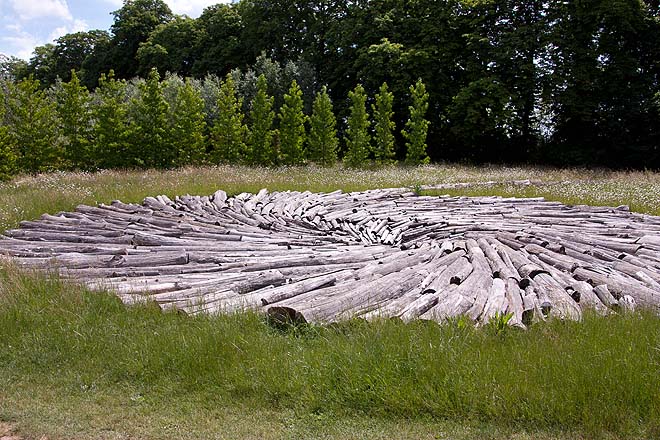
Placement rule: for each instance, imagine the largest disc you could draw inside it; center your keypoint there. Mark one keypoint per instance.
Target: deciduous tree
(218, 46)
(75, 115)
(358, 140)
(187, 125)
(229, 133)
(261, 126)
(169, 48)
(133, 24)
(33, 126)
(150, 135)
(322, 140)
(111, 133)
(292, 126)
(383, 126)
(417, 126)
(7, 154)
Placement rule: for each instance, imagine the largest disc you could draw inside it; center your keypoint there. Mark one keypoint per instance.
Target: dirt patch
(7, 432)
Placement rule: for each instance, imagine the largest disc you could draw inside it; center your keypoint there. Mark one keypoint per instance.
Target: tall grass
(80, 350)
(27, 197)
(598, 377)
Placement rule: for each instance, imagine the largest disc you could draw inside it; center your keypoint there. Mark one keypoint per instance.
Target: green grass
(27, 197)
(68, 356)
(641, 195)
(80, 365)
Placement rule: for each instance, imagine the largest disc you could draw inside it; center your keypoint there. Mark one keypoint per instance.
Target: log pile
(327, 257)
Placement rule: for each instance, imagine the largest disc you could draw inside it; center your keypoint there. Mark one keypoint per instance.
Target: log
(449, 306)
(497, 302)
(603, 293)
(378, 253)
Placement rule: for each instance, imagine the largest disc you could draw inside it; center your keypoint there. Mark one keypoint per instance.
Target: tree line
(567, 82)
(154, 123)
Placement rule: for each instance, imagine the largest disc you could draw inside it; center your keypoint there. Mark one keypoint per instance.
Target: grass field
(28, 197)
(79, 365)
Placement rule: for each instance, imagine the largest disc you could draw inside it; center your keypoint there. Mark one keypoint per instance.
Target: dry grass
(27, 197)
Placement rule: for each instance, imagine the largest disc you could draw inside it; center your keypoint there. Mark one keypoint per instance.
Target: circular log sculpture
(327, 257)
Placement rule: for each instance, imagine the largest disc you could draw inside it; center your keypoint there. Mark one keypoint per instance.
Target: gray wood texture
(325, 257)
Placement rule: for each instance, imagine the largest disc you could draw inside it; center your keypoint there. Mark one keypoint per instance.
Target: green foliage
(500, 322)
(598, 378)
(187, 125)
(322, 140)
(133, 24)
(479, 117)
(218, 46)
(170, 47)
(246, 82)
(508, 80)
(12, 68)
(33, 126)
(75, 115)
(292, 126)
(383, 126)
(7, 155)
(262, 115)
(42, 65)
(111, 131)
(229, 133)
(358, 140)
(279, 77)
(71, 51)
(394, 63)
(210, 89)
(151, 143)
(417, 126)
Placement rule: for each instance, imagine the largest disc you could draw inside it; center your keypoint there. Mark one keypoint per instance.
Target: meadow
(80, 365)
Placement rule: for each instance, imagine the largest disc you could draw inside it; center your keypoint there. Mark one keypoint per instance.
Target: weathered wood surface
(381, 253)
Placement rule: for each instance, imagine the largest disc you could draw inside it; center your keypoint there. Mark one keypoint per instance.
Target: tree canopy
(507, 80)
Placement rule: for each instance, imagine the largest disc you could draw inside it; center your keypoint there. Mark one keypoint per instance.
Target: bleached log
(449, 306)
(331, 256)
(603, 293)
(563, 306)
(479, 285)
(419, 306)
(497, 302)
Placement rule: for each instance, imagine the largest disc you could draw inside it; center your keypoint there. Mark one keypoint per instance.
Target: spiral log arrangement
(327, 257)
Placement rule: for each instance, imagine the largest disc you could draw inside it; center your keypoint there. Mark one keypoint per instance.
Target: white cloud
(34, 23)
(192, 8)
(69, 28)
(22, 43)
(31, 9)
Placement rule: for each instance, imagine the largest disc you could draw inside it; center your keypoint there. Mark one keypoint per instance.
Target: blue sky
(25, 24)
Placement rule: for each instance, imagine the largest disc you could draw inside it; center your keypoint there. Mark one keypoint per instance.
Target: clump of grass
(599, 376)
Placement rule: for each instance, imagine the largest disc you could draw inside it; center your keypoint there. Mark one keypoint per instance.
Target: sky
(26, 24)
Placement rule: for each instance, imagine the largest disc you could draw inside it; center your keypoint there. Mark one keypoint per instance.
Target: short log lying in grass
(380, 253)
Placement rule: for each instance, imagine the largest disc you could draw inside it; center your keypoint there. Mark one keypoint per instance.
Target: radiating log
(603, 293)
(497, 302)
(324, 257)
